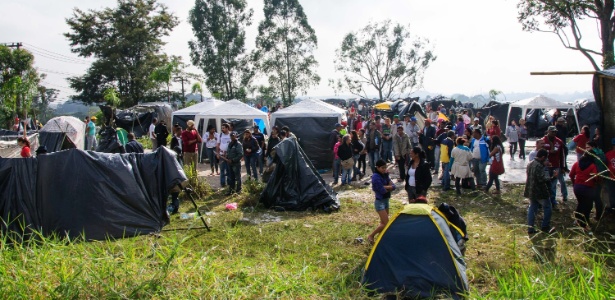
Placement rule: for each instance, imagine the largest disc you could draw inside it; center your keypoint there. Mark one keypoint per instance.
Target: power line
(65, 60)
(58, 54)
(57, 72)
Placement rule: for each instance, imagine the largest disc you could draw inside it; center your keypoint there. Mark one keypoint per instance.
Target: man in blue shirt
(90, 135)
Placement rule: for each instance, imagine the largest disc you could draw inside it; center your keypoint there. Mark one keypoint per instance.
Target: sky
(479, 44)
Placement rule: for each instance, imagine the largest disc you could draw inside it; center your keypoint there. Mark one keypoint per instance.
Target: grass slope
(252, 253)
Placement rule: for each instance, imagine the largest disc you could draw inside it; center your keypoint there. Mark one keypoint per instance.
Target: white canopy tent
(309, 108)
(190, 112)
(233, 109)
(541, 102)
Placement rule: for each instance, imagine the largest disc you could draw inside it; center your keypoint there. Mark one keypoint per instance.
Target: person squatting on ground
(233, 158)
(460, 162)
(190, 141)
(557, 163)
(418, 179)
(211, 142)
(537, 190)
(582, 174)
(480, 157)
(251, 153)
(382, 187)
(401, 150)
(497, 164)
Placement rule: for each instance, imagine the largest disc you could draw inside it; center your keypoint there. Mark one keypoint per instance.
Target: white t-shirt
(211, 143)
(411, 177)
(223, 141)
(151, 130)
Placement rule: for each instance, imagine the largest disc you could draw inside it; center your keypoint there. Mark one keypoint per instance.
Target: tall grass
(299, 255)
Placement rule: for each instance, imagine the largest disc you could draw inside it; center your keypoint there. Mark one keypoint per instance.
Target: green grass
(253, 253)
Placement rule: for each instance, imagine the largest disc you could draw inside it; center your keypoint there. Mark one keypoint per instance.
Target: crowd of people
(448, 146)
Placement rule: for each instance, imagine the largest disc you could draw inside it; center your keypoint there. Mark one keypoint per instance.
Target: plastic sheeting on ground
(295, 184)
(99, 195)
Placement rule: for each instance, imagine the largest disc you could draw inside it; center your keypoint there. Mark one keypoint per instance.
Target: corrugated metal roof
(608, 72)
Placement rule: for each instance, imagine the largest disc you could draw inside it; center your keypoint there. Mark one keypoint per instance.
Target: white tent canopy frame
(198, 108)
(233, 109)
(71, 126)
(538, 102)
(309, 108)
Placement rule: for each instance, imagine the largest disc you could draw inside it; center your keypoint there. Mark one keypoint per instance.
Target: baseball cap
(338, 125)
(552, 128)
(476, 119)
(396, 116)
(232, 133)
(413, 119)
(93, 118)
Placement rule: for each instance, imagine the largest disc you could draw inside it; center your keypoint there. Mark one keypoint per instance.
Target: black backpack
(455, 218)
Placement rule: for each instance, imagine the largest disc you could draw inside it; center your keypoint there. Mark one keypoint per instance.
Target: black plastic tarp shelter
(99, 195)
(311, 121)
(417, 256)
(138, 118)
(295, 184)
(411, 109)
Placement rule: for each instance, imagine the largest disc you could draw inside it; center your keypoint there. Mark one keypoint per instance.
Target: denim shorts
(381, 204)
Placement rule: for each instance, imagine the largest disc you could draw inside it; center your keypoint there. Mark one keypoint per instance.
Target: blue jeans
(213, 160)
(235, 177)
(479, 169)
(346, 175)
(224, 173)
(337, 166)
(387, 150)
(355, 167)
(446, 176)
(553, 186)
(373, 158)
(531, 214)
(437, 159)
(250, 161)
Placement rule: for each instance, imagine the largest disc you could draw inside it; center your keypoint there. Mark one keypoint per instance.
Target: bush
(252, 190)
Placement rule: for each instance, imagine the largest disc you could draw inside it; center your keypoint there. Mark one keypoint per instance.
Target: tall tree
(219, 48)
(40, 103)
(382, 56)
(562, 17)
(197, 88)
(18, 82)
(285, 46)
(126, 42)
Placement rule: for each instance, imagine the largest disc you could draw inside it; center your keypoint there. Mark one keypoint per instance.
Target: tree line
(125, 43)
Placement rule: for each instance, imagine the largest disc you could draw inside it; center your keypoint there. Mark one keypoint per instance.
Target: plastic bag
(231, 206)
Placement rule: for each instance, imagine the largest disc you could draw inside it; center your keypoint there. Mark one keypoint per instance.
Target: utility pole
(182, 79)
(13, 45)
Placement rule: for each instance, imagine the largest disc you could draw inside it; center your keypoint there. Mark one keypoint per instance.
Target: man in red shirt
(610, 159)
(190, 141)
(556, 164)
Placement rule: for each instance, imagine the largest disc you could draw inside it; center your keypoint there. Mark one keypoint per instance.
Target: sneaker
(548, 230)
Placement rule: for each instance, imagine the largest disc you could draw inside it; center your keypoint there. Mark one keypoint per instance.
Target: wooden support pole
(564, 73)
